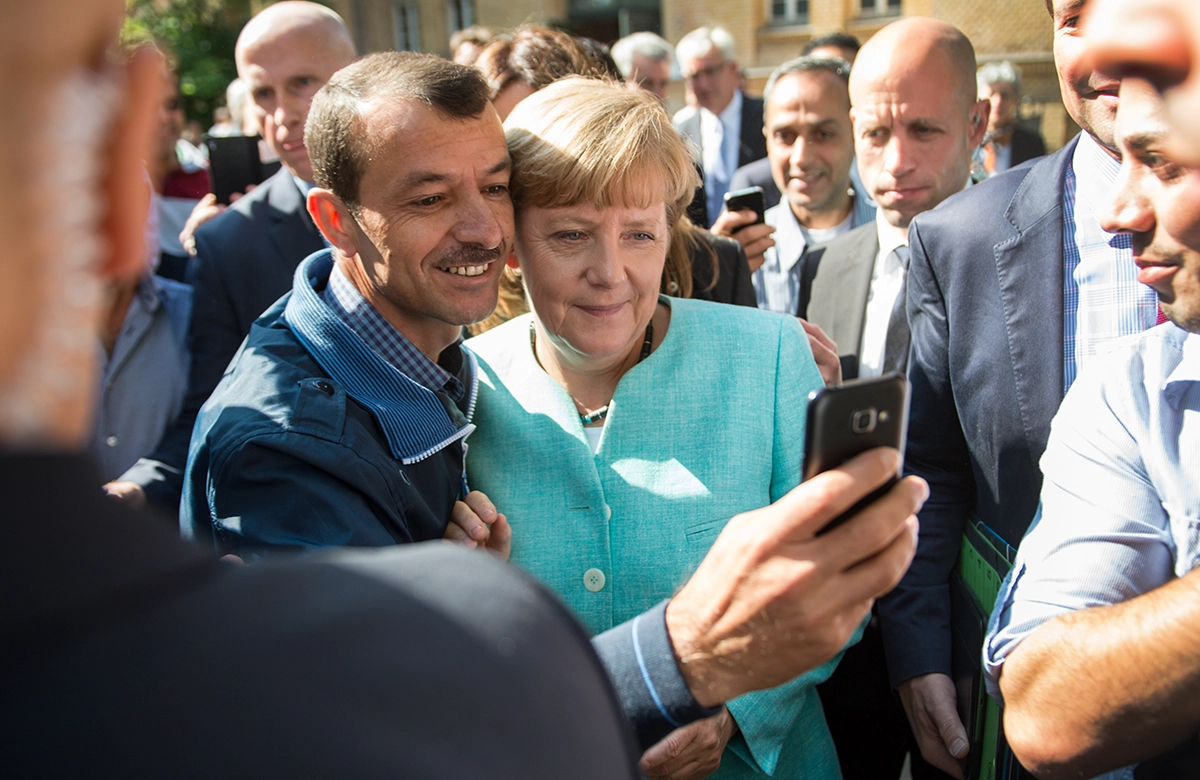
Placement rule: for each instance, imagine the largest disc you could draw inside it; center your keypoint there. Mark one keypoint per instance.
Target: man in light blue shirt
(810, 146)
(1093, 639)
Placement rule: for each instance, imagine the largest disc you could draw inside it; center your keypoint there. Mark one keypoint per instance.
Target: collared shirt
(304, 186)
(720, 138)
(777, 280)
(1102, 298)
(887, 284)
(344, 299)
(1121, 498)
(145, 377)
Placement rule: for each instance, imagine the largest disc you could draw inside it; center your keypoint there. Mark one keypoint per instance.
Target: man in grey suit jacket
(854, 287)
(999, 329)
(246, 257)
(709, 65)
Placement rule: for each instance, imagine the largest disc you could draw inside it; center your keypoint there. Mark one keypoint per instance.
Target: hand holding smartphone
(851, 418)
(749, 199)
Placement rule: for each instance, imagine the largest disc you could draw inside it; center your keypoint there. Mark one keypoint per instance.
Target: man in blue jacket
(342, 420)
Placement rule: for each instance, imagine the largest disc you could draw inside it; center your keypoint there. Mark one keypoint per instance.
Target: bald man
(1013, 288)
(916, 121)
(246, 257)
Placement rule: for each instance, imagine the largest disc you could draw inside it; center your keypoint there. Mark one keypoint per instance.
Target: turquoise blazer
(709, 425)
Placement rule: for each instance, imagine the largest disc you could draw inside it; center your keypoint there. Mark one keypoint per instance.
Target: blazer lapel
(292, 231)
(752, 145)
(1030, 270)
(841, 284)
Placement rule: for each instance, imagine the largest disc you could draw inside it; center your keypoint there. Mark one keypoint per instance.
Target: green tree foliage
(201, 35)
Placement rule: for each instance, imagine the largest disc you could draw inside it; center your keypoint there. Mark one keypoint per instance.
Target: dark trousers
(870, 730)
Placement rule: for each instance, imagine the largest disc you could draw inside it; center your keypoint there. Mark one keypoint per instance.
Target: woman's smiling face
(593, 275)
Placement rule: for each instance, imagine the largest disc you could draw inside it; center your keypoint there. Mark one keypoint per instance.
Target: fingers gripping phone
(851, 418)
(750, 199)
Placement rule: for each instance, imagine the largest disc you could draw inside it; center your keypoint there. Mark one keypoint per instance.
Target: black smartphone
(234, 163)
(851, 418)
(750, 199)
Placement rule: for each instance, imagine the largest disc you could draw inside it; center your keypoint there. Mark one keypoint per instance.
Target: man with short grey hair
(1006, 144)
(645, 61)
(726, 128)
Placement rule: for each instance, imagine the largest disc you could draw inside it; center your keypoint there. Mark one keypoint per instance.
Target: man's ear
(334, 220)
(125, 185)
(979, 121)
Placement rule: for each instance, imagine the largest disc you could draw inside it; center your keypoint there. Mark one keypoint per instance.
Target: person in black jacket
(126, 650)
(1007, 144)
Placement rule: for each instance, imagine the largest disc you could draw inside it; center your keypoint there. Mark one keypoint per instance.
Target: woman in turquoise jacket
(619, 429)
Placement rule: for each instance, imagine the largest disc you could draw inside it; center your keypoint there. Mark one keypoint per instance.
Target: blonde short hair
(589, 141)
(592, 141)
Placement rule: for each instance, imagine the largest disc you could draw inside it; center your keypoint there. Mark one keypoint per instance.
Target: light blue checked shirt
(777, 280)
(377, 333)
(1120, 512)
(1102, 299)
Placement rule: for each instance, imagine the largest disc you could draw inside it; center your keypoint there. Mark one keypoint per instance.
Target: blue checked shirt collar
(1102, 298)
(344, 300)
(412, 418)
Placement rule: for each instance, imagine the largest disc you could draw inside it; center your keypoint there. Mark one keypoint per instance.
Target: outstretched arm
(770, 601)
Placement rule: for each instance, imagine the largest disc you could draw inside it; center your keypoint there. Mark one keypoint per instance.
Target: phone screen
(235, 164)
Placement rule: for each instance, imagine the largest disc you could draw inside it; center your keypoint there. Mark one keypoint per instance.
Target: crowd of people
(499, 300)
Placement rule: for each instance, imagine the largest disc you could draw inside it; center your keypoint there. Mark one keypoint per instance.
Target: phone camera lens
(863, 420)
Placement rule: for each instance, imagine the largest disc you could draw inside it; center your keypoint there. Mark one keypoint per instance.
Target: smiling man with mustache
(342, 421)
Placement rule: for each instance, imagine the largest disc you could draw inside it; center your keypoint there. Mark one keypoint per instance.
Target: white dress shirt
(887, 283)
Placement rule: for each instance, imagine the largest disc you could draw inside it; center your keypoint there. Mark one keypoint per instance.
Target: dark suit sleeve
(738, 268)
(915, 617)
(214, 338)
(641, 664)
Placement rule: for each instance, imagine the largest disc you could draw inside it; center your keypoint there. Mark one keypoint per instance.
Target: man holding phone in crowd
(118, 618)
(810, 146)
(246, 257)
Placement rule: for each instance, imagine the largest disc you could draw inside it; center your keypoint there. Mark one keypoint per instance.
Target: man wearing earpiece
(916, 120)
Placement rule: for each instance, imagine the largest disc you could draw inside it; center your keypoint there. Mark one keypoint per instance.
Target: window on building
(880, 7)
(460, 14)
(790, 11)
(405, 28)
